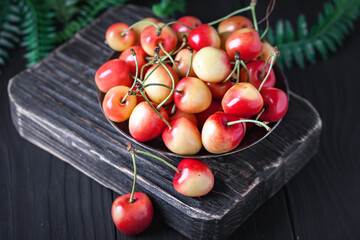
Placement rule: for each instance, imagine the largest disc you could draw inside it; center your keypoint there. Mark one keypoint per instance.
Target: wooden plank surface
(54, 106)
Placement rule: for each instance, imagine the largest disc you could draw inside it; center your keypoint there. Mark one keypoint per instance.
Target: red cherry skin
(130, 60)
(255, 68)
(149, 40)
(115, 40)
(111, 74)
(215, 106)
(246, 41)
(218, 90)
(218, 137)
(204, 36)
(191, 21)
(132, 218)
(242, 100)
(145, 124)
(195, 178)
(232, 24)
(276, 104)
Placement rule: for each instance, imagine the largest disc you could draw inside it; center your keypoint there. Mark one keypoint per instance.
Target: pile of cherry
(194, 86)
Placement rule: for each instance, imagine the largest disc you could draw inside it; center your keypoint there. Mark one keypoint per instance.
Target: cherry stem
(266, 30)
(261, 112)
(247, 70)
(172, 88)
(252, 6)
(232, 72)
(151, 72)
(171, 59)
(144, 66)
(173, 109)
(230, 15)
(144, 21)
(133, 53)
(191, 50)
(172, 22)
(134, 182)
(262, 74)
(158, 158)
(163, 85)
(273, 56)
(154, 108)
(250, 120)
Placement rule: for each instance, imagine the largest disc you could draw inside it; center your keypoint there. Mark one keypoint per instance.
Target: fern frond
(9, 30)
(167, 8)
(325, 36)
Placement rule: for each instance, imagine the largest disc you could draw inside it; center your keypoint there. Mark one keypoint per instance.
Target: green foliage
(167, 8)
(325, 36)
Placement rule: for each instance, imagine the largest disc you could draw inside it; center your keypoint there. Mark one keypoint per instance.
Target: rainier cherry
(232, 24)
(275, 103)
(179, 114)
(115, 39)
(138, 28)
(130, 60)
(211, 64)
(111, 74)
(182, 61)
(246, 41)
(190, 21)
(257, 75)
(204, 36)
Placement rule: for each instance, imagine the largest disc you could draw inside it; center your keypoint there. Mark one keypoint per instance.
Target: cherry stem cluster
(258, 123)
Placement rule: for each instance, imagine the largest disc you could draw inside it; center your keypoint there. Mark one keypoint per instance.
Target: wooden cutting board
(54, 105)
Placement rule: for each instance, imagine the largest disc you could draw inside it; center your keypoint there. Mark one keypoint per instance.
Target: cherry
(214, 107)
(112, 73)
(246, 41)
(257, 74)
(117, 40)
(218, 137)
(275, 103)
(242, 100)
(195, 178)
(150, 39)
(218, 90)
(183, 137)
(204, 36)
(190, 21)
(266, 52)
(180, 113)
(130, 60)
(192, 95)
(145, 124)
(211, 64)
(114, 107)
(232, 24)
(183, 62)
(142, 24)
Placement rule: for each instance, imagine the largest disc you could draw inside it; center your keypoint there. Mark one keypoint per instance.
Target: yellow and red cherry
(182, 61)
(138, 28)
(242, 100)
(275, 103)
(257, 74)
(204, 36)
(117, 40)
(111, 74)
(214, 107)
(115, 107)
(246, 41)
(130, 60)
(183, 137)
(192, 95)
(190, 21)
(145, 124)
(211, 64)
(160, 75)
(195, 178)
(132, 218)
(149, 39)
(179, 114)
(218, 90)
(218, 137)
(266, 52)
(235, 23)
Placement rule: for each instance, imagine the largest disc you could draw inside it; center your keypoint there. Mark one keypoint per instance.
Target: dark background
(44, 198)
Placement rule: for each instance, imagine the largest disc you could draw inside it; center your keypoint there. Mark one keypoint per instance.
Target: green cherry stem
(171, 59)
(266, 30)
(261, 112)
(272, 56)
(172, 22)
(252, 6)
(247, 70)
(262, 74)
(134, 181)
(230, 15)
(158, 158)
(191, 50)
(144, 21)
(151, 72)
(133, 53)
(144, 66)
(172, 88)
(249, 120)
(232, 72)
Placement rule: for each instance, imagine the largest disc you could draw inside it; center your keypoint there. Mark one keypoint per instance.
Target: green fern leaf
(167, 8)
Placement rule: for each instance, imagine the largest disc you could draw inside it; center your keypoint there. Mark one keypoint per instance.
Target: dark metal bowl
(253, 136)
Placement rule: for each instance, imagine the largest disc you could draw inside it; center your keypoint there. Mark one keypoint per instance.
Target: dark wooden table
(43, 197)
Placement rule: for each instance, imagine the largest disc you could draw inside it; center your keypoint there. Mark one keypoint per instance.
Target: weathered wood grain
(54, 105)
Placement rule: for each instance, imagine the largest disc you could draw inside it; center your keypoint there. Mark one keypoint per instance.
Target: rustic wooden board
(54, 105)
